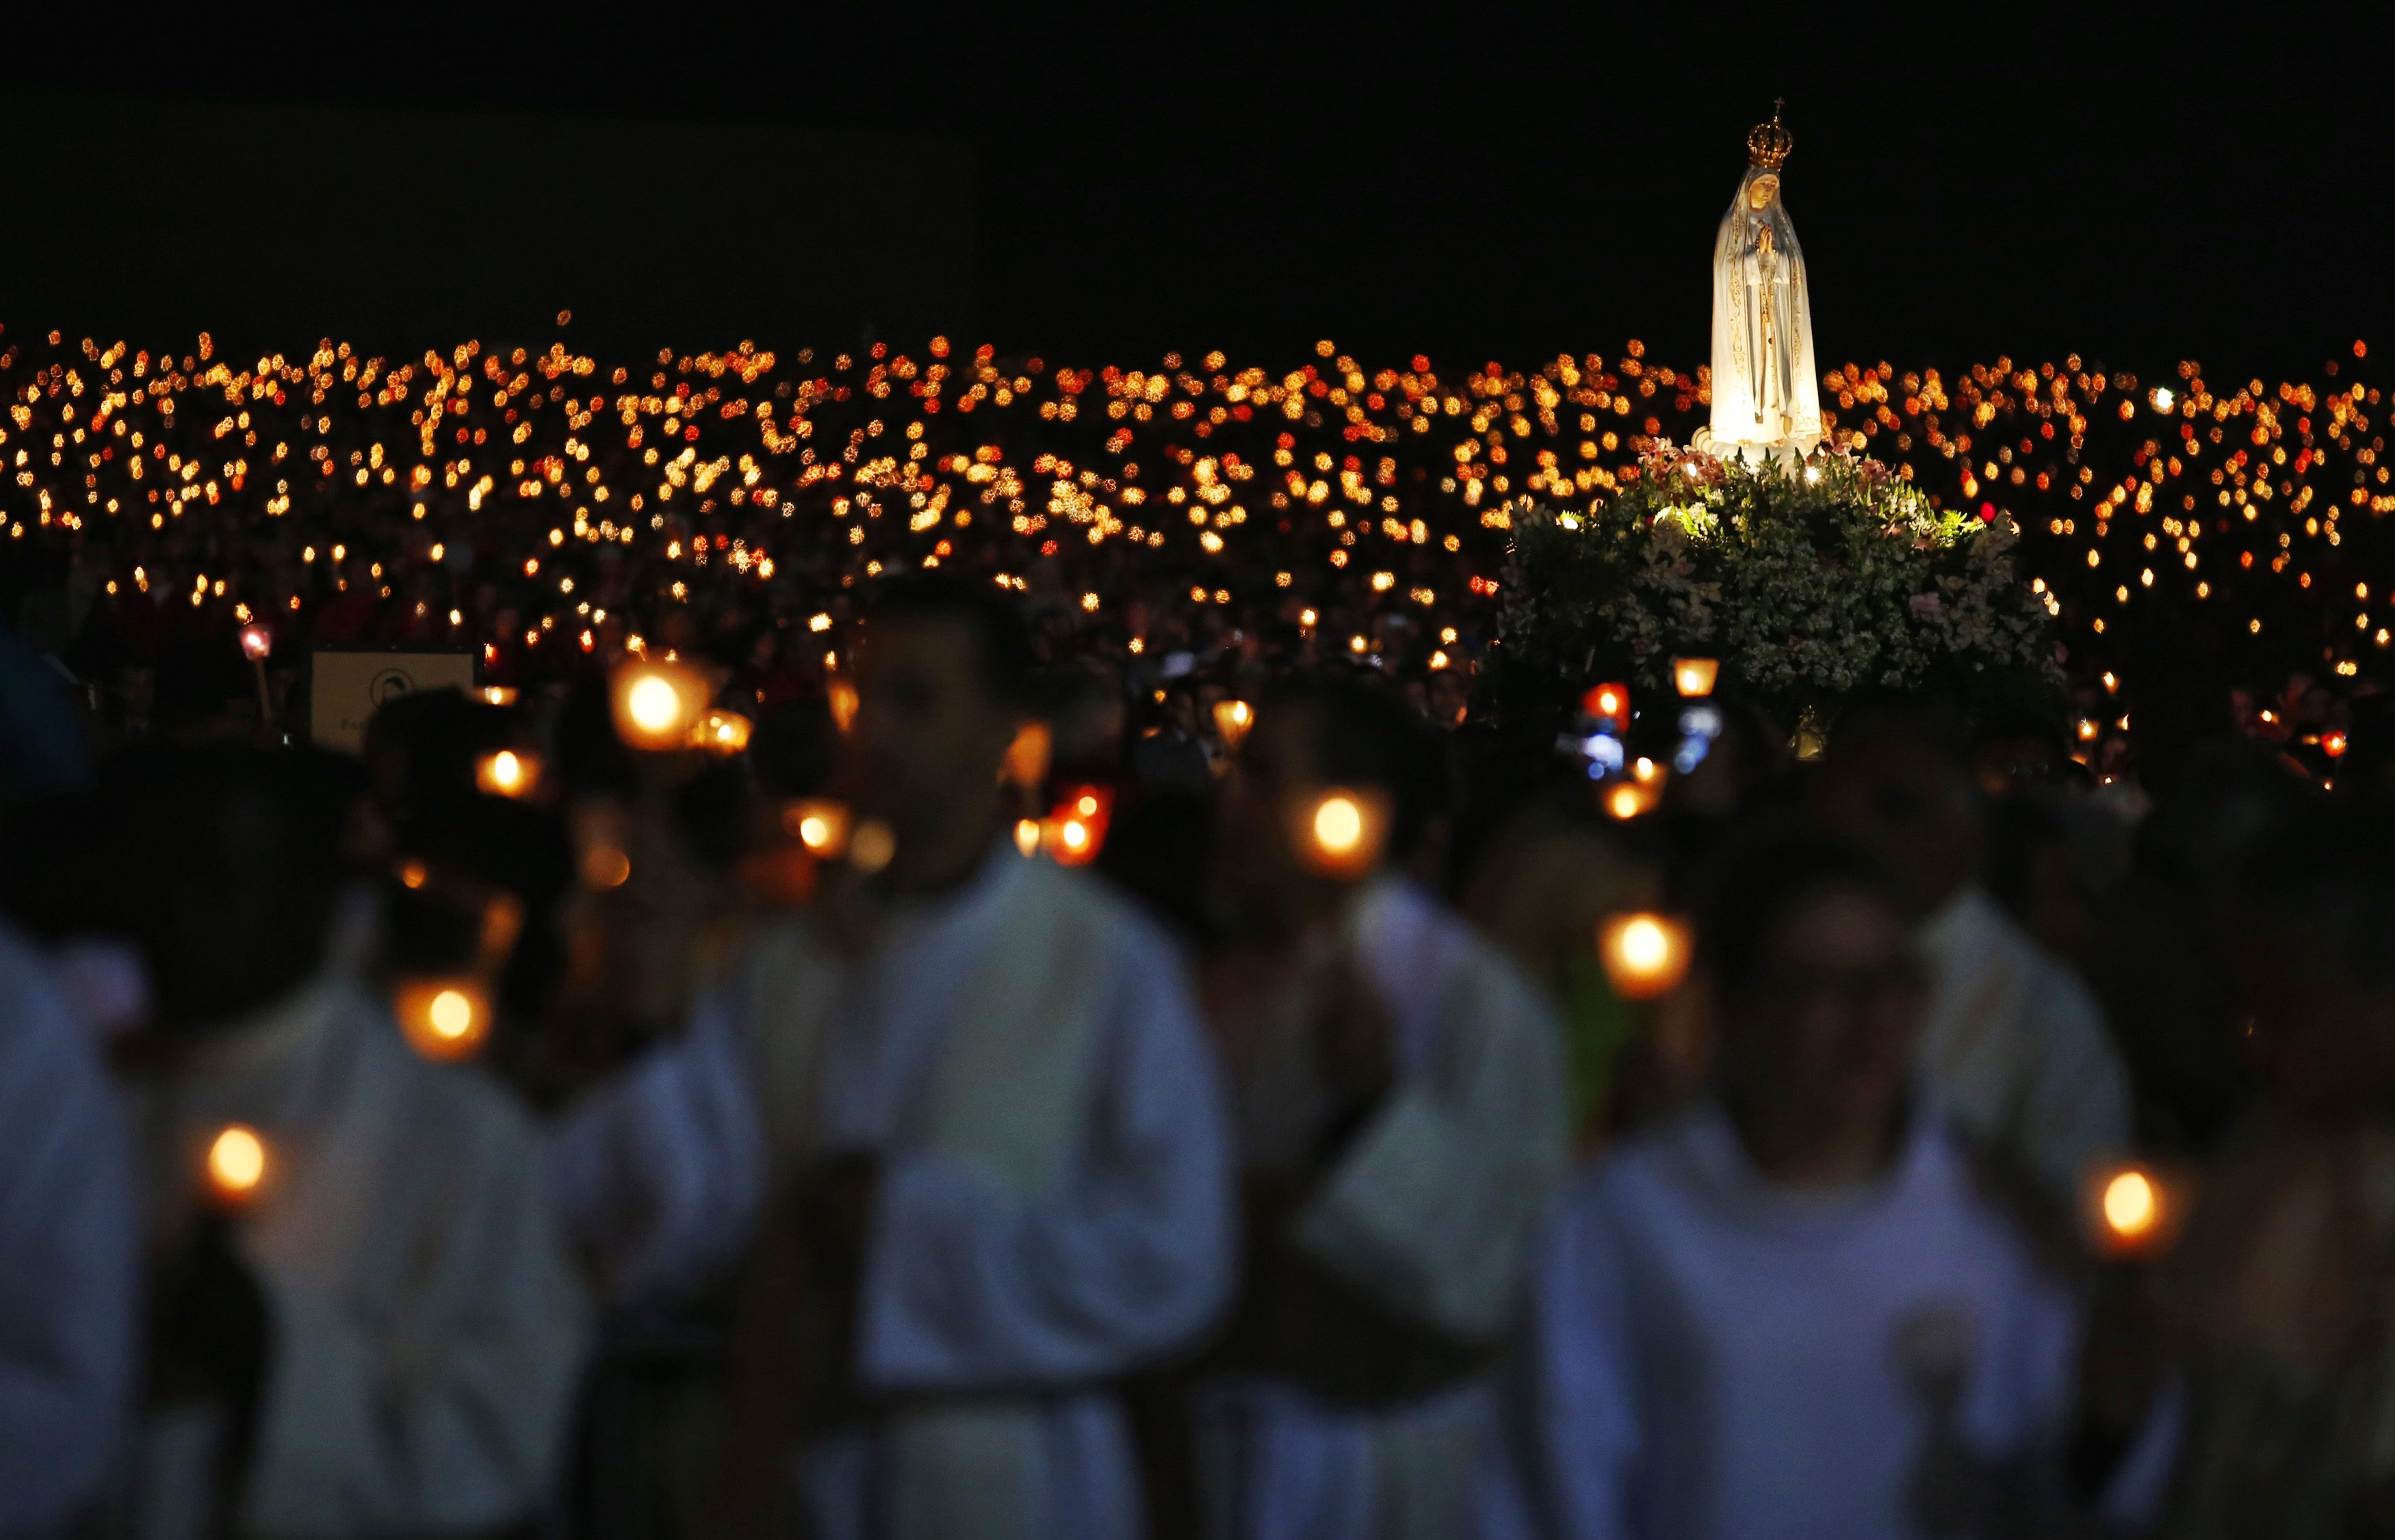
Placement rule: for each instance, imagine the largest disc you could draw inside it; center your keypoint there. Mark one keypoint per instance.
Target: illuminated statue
(1766, 398)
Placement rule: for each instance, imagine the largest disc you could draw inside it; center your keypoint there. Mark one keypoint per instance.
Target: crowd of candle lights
(558, 513)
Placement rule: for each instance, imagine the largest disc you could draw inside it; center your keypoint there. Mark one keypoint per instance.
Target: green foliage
(1807, 582)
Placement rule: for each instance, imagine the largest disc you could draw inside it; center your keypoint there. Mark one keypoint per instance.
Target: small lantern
(1695, 678)
(257, 642)
(1609, 703)
(1645, 955)
(2133, 1210)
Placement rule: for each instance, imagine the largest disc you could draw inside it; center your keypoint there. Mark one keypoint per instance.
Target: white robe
(1432, 1211)
(1027, 1257)
(1713, 1356)
(67, 1255)
(426, 1325)
(2018, 1049)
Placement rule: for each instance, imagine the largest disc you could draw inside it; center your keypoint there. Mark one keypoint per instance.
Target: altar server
(2015, 1045)
(363, 1319)
(1790, 1313)
(1401, 1105)
(963, 1121)
(68, 1264)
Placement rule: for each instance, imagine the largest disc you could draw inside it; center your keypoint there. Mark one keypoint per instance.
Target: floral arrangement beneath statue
(1807, 579)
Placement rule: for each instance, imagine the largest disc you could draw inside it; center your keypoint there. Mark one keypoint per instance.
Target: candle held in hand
(236, 1166)
(1645, 955)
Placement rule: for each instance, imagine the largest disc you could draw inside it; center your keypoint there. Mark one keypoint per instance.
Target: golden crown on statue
(1768, 144)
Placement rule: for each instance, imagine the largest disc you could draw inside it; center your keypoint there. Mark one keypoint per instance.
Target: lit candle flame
(507, 773)
(1695, 677)
(820, 825)
(236, 1165)
(1645, 954)
(257, 643)
(658, 705)
(443, 1018)
(1232, 720)
(1341, 832)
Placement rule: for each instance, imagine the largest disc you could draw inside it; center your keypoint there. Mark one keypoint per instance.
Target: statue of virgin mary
(1766, 401)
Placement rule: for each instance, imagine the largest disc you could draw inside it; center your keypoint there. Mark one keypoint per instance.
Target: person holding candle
(2015, 1044)
(959, 1120)
(1401, 1102)
(1790, 1312)
(364, 1319)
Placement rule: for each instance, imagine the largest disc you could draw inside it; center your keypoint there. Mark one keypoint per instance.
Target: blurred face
(1824, 1040)
(928, 737)
(1911, 812)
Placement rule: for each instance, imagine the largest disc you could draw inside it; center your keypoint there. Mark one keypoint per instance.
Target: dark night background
(1104, 184)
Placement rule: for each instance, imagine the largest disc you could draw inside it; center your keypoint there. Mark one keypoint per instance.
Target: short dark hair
(1002, 641)
(1364, 736)
(1763, 877)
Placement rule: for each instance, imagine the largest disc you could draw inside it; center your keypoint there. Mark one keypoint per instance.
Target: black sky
(2137, 184)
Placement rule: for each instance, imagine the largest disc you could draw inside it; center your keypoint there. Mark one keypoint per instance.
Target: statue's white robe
(1766, 393)
(68, 1265)
(2018, 1051)
(427, 1326)
(1432, 1211)
(1054, 1208)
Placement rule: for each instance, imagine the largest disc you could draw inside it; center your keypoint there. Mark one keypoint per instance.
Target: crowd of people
(975, 963)
(962, 1108)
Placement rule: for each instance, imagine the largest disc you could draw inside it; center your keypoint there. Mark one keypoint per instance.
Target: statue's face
(1759, 192)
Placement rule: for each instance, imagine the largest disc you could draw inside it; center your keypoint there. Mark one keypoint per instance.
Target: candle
(1342, 831)
(658, 704)
(1695, 677)
(724, 733)
(508, 773)
(236, 1166)
(499, 694)
(1232, 720)
(1027, 755)
(1608, 702)
(443, 1018)
(1631, 799)
(1076, 830)
(2135, 1211)
(842, 698)
(257, 642)
(820, 825)
(1645, 954)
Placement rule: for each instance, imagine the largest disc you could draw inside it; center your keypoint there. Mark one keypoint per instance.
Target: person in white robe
(381, 1330)
(1402, 1109)
(1790, 1312)
(967, 1102)
(69, 1275)
(2013, 1042)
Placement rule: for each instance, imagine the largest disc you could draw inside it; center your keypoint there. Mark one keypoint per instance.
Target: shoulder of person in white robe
(1700, 1150)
